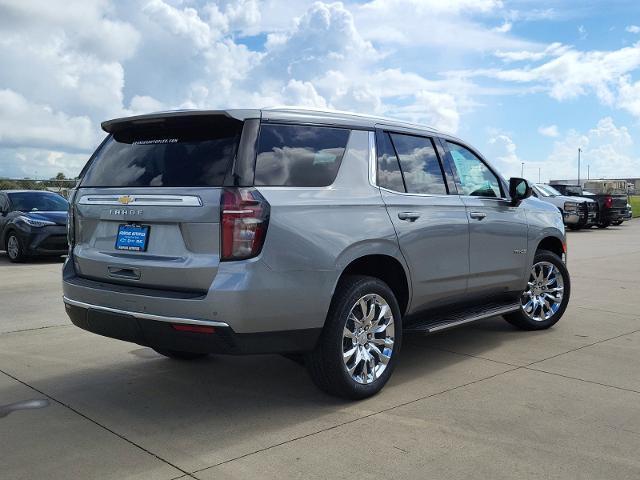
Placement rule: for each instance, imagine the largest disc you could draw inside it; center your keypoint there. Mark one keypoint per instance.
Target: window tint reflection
(420, 165)
(299, 156)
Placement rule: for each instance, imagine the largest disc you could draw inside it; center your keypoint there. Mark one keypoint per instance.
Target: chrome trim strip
(145, 316)
(373, 171)
(136, 200)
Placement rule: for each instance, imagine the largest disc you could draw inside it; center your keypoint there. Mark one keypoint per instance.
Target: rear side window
(197, 154)
(299, 155)
(420, 165)
(389, 174)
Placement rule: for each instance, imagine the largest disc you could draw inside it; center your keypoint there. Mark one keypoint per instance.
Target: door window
(389, 174)
(474, 177)
(420, 165)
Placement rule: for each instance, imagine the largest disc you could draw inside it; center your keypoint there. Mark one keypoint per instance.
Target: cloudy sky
(524, 81)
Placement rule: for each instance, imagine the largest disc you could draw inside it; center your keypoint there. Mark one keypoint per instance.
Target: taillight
(608, 202)
(244, 218)
(71, 226)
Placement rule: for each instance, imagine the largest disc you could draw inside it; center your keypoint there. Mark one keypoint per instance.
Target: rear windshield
(38, 201)
(194, 155)
(299, 155)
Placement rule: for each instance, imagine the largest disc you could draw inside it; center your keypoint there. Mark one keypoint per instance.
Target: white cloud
(606, 148)
(633, 29)
(436, 23)
(504, 28)
(548, 131)
(583, 32)
(26, 123)
(553, 50)
(629, 96)
(573, 73)
(502, 151)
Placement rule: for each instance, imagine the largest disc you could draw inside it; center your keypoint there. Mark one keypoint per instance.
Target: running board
(456, 317)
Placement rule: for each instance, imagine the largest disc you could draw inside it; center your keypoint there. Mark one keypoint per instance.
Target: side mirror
(519, 189)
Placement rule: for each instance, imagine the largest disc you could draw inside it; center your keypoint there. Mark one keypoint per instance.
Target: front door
(498, 230)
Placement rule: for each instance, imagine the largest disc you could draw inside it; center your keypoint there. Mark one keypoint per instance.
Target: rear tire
(574, 227)
(357, 350)
(604, 225)
(552, 281)
(178, 355)
(15, 248)
(617, 222)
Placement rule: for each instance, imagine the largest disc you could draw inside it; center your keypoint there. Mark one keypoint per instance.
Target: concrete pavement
(485, 401)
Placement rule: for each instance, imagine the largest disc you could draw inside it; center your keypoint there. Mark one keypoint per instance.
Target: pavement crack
(95, 422)
(36, 328)
(582, 380)
(581, 347)
(372, 414)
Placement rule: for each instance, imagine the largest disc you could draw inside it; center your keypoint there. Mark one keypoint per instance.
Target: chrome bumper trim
(145, 316)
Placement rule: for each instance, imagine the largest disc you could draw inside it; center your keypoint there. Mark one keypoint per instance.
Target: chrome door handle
(478, 215)
(409, 216)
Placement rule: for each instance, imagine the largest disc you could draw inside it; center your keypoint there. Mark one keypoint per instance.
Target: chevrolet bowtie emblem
(125, 199)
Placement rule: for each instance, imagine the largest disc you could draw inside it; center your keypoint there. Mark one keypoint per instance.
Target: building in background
(633, 184)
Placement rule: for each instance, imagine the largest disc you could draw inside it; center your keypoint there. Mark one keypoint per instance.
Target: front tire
(15, 248)
(360, 342)
(547, 295)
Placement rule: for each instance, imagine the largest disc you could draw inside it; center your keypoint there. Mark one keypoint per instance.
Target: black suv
(33, 223)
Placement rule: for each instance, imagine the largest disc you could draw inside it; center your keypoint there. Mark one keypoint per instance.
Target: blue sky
(523, 81)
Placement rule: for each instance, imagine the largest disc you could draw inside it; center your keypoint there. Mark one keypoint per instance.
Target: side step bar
(456, 317)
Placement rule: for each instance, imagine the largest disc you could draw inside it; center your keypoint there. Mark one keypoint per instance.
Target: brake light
(71, 226)
(244, 218)
(608, 202)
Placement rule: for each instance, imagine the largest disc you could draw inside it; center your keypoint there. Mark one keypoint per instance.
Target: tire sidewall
(546, 256)
(20, 256)
(341, 311)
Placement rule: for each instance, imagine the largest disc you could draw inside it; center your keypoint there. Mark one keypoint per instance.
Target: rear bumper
(157, 331)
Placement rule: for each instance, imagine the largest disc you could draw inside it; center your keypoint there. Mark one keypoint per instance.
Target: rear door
(162, 184)
(431, 223)
(498, 230)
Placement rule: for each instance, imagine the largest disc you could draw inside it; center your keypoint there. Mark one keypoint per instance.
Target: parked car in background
(577, 212)
(321, 235)
(610, 196)
(33, 223)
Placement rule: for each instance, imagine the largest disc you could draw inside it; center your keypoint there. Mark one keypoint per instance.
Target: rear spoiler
(176, 116)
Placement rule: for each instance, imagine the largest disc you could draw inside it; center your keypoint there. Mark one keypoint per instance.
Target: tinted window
(420, 165)
(475, 178)
(37, 201)
(389, 175)
(191, 155)
(299, 156)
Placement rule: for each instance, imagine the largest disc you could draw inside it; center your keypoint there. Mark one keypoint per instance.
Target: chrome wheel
(544, 293)
(367, 339)
(13, 247)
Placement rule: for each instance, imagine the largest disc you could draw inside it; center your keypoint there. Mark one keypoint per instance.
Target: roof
(275, 114)
(25, 191)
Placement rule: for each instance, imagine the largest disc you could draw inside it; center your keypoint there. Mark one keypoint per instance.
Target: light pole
(539, 181)
(522, 170)
(579, 151)
(588, 173)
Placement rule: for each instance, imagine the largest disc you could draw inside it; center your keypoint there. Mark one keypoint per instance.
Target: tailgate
(147, 210)
(182, 238)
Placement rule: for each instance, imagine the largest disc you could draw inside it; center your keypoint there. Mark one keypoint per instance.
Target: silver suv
(322, 236)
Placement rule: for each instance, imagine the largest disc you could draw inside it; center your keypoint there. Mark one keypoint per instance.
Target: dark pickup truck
(612, 207)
